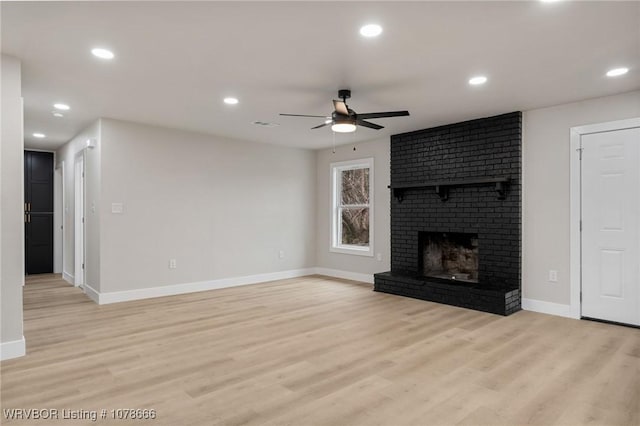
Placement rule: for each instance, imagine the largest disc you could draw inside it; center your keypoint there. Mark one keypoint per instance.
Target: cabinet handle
(29, 207)
(25, 208)
(29, 218)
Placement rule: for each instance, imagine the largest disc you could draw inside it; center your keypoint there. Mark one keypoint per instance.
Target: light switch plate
(117, 208)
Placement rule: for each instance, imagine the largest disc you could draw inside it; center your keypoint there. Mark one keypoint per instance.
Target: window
(351, 207)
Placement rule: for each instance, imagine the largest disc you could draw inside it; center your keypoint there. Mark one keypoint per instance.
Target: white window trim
(334, 194)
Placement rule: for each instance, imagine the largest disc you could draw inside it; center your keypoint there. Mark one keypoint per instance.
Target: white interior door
(610, 190)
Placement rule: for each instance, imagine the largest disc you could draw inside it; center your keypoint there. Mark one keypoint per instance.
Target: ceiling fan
(345, 120)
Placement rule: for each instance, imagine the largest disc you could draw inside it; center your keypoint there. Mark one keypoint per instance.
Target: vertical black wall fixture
(463, 178)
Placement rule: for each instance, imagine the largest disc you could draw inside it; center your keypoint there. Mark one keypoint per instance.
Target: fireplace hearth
(453, 240)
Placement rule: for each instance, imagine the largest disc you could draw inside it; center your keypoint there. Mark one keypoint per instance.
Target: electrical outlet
(281, 254)
(173, 264)
(553, 276)
(379, 257)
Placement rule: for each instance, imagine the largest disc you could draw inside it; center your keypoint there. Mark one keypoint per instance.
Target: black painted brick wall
(488, 147)
(483, 148)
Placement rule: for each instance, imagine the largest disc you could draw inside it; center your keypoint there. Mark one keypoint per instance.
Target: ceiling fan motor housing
(344, 94)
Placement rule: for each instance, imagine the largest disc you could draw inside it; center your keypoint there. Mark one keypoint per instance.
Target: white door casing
(79, 221)
(610, 200)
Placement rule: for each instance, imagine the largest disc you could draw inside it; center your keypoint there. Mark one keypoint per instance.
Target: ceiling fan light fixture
(343, 127)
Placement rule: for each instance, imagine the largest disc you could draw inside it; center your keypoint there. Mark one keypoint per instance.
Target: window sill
(354, 250)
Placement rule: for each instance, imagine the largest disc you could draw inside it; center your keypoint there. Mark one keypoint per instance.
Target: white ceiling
(176, 61)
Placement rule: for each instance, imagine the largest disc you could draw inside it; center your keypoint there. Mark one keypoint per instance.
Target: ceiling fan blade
(322, 125)
(369, 125)
(383, 114)
(304, 115)
(341, 107)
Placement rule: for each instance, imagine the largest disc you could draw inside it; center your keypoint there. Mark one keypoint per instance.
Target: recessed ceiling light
(477, 80)
(57, 114)
(617, 72)
(371, 30)
(39, 135)
(550, 1)
(102, 53)
(62, 107)
(230, 101)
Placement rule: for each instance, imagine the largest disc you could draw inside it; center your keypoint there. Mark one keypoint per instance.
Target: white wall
(545, 161)
(12, 210)
(379, 150)
(66, 157)
(222, 208)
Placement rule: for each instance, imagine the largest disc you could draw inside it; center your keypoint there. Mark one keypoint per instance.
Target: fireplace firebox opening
(449, 255)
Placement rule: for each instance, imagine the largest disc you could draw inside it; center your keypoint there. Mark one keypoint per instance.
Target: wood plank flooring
(316, 351)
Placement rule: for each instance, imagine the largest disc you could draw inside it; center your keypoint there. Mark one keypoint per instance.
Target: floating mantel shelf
(442, 187)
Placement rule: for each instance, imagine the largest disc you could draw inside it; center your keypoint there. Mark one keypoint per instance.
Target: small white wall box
(117, 208)
(90, 143)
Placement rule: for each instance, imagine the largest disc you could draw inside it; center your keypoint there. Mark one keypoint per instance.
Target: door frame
(59, 215)
(78, 225)
(575, 233)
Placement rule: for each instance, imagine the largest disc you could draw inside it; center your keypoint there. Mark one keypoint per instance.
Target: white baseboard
(92, 293)
(12, 349)
(171, 290)
(547, 308)
(68, 277)
(346, 275)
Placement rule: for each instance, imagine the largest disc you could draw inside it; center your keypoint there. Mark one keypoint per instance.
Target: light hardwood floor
(317, 351)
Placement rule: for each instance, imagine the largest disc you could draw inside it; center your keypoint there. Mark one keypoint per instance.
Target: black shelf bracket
(398, 193)
(443, 192)
(501, 189)
(442, 187)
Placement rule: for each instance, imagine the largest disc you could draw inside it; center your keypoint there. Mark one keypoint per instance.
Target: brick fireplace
(456, 215)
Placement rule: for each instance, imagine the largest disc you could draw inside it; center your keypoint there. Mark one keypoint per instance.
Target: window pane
(355, 186)
(355, 226)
